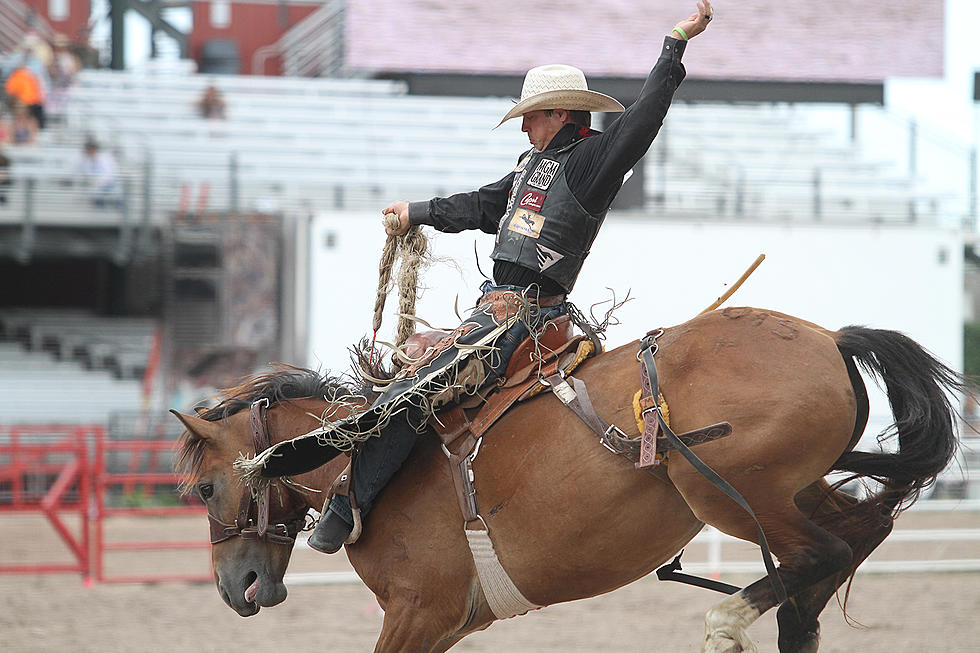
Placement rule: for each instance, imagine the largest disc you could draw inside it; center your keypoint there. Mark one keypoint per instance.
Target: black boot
(330, 533)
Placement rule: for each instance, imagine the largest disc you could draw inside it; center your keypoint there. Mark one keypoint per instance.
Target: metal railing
(16, 19)
(313, 48)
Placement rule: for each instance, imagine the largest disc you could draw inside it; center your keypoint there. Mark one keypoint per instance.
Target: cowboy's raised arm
(603, 160)
(695, 23)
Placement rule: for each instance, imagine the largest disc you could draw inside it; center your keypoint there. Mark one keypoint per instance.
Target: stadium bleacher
(75, 366)
(76, 335)
(41, 390)
(315, 144)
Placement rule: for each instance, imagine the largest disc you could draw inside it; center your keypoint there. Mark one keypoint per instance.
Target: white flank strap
(503, 597)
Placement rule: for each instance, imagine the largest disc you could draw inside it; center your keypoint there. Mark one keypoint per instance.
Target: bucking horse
(569, 519)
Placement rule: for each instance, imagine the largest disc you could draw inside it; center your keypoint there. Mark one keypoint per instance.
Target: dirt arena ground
(899, 612)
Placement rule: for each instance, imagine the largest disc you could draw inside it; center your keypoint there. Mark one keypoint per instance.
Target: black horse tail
(920, 390)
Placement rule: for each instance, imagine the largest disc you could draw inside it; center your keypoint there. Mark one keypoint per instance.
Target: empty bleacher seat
(317, 144)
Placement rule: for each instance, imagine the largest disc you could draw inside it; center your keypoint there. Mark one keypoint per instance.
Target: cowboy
(546, 214)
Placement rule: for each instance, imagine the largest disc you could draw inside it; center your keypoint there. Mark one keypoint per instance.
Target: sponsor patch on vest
(547, 257)
(531, 200)
(527, 223)
(544, 174)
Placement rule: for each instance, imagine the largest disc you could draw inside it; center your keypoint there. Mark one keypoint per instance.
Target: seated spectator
(27, 88)
(97, 170)
(23, 126)
(211, 105)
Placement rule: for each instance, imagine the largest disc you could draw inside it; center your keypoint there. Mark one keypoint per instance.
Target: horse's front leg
(406, 629)
(409, 628)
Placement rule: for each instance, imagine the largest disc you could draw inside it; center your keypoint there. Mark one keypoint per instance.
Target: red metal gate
(142, 456)
(46, 469)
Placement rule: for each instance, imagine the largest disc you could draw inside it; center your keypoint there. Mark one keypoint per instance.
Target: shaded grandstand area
(307, 145)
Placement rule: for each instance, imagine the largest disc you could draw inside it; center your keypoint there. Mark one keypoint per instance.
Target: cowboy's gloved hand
(400, 212)
(697, 22)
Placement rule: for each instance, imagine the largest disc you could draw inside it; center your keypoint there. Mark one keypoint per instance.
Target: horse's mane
(283, 383)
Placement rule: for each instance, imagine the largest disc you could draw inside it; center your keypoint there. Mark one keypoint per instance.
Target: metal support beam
(233, 182)
(117, 16)
(973, 190)
(124, 248)
(28, 234)
(146, 224)
(152, 10)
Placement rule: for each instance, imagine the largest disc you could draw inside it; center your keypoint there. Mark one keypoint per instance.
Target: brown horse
(571, 520)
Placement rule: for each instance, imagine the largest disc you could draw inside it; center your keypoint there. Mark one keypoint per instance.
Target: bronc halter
(253, 524)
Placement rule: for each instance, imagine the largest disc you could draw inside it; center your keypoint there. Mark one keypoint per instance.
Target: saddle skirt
(557, 348)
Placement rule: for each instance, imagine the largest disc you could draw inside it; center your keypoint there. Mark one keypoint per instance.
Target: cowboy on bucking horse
(546, 214)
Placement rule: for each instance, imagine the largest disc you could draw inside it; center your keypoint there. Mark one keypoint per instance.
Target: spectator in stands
(87, 56)
(546, 214)
(39, 55)
(24, 86)
(64, 66)
(97, 170)
(211, 105)
(23, 127)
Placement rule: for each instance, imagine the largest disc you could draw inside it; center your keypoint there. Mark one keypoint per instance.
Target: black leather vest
(544, 227)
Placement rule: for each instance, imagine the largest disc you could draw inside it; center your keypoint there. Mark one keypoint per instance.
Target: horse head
(252, 528)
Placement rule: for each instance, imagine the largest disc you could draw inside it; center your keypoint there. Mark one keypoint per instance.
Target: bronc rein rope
(411, 248)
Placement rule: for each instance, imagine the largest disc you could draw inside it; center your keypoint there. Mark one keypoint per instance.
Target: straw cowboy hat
(557, 86)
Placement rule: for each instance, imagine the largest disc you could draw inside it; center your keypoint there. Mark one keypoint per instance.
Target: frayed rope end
(250, 470)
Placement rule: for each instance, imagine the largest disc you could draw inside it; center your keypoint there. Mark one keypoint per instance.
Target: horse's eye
(206, 490)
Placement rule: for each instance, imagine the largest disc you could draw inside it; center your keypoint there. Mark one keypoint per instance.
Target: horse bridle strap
(244, 526)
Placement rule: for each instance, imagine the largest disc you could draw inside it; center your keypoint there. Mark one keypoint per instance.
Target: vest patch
(527, 223)
(532, 200)
(544, 174)
(547, 257)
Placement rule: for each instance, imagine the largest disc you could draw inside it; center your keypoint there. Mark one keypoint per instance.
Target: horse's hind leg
(807, 553)
(863, 527)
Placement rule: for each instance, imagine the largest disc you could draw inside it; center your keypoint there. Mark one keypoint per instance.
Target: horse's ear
(202, 428)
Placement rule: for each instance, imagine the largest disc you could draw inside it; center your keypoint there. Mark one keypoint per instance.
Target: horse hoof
(724, 643)
(732, 647)
(806, 643)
